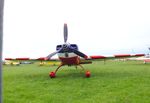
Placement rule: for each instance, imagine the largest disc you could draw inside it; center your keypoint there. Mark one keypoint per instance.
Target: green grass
(114, 82)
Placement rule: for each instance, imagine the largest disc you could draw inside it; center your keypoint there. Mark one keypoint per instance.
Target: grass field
(114, 82)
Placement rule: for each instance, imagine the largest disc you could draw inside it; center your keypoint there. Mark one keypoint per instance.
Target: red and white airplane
(70, 55)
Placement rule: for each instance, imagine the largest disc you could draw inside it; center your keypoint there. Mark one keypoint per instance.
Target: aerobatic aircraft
(69, 54)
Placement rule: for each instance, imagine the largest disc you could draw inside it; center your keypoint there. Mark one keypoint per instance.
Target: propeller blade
(65, 33)
(54, 53)
(79, 53)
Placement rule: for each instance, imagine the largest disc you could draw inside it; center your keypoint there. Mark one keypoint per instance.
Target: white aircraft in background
(145, 58)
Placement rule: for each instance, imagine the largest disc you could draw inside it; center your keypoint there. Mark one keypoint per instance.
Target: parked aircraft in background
(145, 58)
(9, 62)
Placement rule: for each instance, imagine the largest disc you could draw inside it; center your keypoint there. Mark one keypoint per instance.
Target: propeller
(66, 47)
(78, 53)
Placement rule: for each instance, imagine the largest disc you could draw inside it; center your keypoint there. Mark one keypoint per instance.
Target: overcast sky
(33, 28)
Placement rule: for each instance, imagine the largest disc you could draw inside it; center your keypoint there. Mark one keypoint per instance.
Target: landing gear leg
(87, 73)
(53, 74)
(76, 67)
(81, 67)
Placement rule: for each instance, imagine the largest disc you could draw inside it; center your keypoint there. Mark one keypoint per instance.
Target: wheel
(87, 74)
(52, 74)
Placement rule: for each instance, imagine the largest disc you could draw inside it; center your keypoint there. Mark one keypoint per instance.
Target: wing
(82, 61)
(31, 60)
(119, 56)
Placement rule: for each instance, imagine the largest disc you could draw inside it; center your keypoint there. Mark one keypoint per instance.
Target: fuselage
(68, 57)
